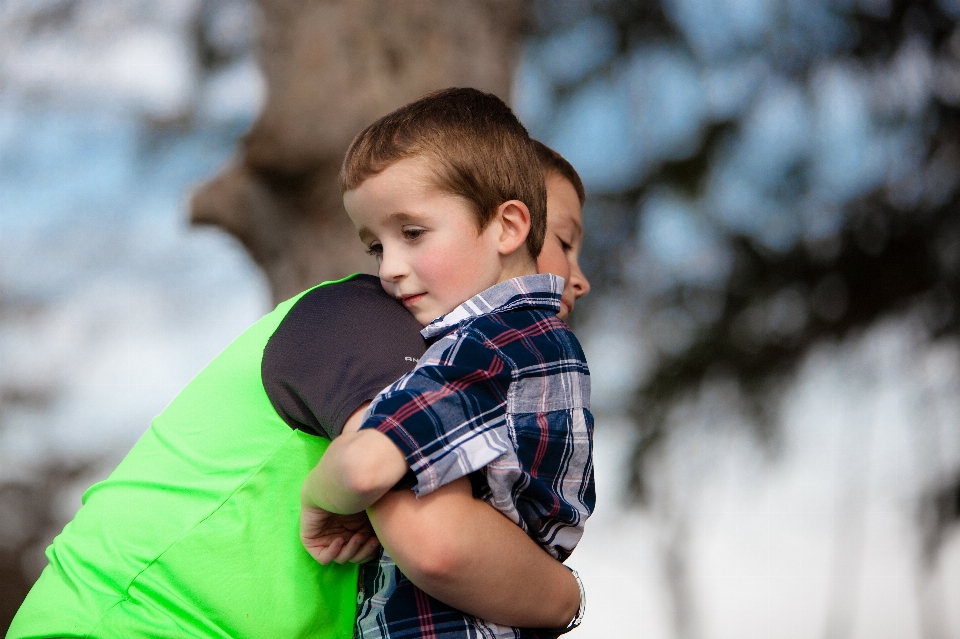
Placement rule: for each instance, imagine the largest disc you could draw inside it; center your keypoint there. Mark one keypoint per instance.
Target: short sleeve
(337, 347)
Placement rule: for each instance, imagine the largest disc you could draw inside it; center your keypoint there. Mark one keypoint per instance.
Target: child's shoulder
(525, 330)
(532, 320)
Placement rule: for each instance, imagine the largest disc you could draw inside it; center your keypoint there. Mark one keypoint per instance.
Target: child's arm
(463, 552)
(341, 483)
(356, 470)
(455, 548)
(330, 537)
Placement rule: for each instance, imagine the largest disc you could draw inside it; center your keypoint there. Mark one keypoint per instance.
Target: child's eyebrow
(365, 234)
(401, 216)
(397, 217)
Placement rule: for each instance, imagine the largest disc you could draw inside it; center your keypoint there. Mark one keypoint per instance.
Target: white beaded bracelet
(583, 603)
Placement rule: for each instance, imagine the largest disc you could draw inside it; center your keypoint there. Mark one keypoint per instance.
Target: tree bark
(332, 67)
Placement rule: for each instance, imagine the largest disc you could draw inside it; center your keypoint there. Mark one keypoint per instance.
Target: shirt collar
(527, 291)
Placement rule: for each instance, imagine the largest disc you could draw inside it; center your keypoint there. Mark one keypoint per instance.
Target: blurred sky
(737, 61)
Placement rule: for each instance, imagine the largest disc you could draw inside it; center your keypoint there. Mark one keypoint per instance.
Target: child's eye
(413, 233)
(375, 250)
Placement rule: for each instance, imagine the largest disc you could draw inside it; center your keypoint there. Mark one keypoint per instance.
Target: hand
(330, 537)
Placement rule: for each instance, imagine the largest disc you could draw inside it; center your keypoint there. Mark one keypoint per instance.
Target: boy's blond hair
(475, 145)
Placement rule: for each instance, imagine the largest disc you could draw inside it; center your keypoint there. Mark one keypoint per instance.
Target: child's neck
(516, 266)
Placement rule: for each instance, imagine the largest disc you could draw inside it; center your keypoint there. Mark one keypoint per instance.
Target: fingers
(349, 550)
(325, 554)
(359, 548)
(337, 538)
(367, 552)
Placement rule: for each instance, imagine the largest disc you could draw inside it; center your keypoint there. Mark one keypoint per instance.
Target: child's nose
(392, 267)
(579, 281)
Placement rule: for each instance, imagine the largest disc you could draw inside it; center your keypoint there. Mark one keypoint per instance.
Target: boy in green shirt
(195, 533)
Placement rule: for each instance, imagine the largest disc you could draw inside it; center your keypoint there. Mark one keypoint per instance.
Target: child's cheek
(553, 260)
(435, 267)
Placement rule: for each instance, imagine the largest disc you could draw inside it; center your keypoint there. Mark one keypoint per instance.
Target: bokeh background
(772, 234)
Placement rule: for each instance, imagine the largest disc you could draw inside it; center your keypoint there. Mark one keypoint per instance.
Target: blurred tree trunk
(331, 68)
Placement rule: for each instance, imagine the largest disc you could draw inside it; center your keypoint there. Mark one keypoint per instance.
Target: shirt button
(359, 597)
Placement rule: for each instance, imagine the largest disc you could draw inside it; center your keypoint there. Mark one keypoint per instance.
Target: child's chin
(425, 317)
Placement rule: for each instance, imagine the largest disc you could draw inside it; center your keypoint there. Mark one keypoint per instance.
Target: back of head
(553, 162)
(475, 145)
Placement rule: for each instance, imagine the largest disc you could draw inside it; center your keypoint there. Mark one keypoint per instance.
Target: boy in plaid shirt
(448, 194)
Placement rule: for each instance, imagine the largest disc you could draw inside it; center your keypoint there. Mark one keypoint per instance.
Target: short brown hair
(551, 161)
(475, 144)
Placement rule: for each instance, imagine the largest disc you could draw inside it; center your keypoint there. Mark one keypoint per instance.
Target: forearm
(355, 471)
(463, 552)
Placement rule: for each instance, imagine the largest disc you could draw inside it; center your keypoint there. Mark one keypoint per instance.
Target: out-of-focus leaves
(820, 196)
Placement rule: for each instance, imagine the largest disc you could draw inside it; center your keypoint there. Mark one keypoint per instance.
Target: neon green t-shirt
(195, 534)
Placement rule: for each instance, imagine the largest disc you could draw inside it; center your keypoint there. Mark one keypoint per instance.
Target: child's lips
(407, 300)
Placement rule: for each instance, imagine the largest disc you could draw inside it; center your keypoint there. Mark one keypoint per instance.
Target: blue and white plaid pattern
(504, 393)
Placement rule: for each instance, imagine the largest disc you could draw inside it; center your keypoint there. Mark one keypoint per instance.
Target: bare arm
(463, 552)
(355, 471)
(457, 549)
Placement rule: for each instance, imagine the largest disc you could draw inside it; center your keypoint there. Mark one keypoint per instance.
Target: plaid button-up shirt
(502, 395)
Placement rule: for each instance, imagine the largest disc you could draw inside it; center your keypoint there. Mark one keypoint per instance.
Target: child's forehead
(417, 171)
(552, 175)
(560, 187)
(402, 192)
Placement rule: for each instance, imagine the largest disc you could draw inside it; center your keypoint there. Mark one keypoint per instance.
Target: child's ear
(514, 219)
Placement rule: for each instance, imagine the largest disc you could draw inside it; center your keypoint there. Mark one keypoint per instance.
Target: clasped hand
(330, 537)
